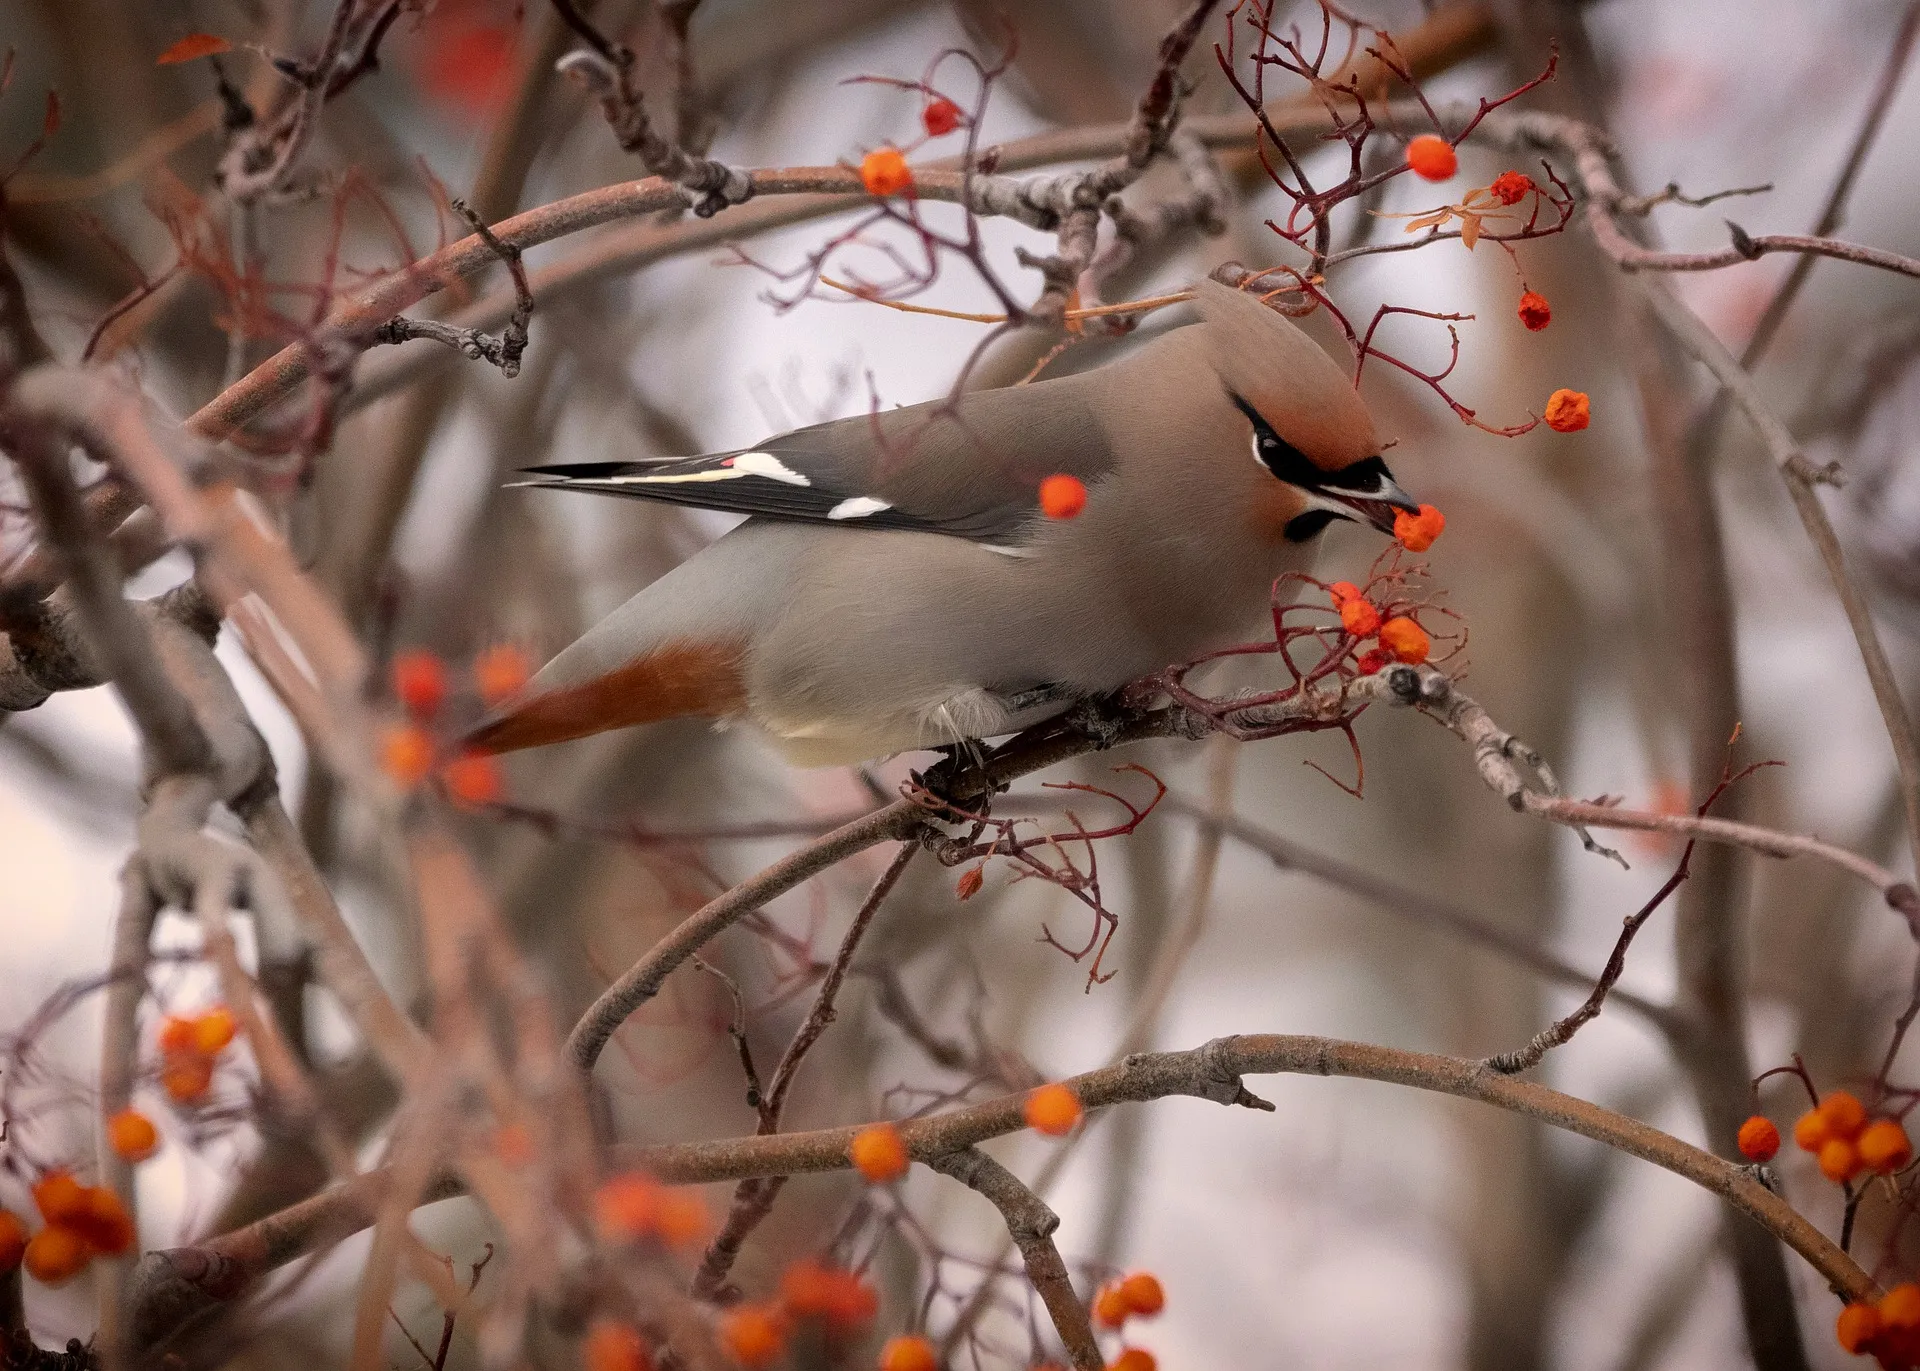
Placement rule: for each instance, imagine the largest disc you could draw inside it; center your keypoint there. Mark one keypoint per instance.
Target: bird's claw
(1099, 718)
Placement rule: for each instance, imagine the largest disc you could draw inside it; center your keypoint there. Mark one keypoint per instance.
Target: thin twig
(753, 1200)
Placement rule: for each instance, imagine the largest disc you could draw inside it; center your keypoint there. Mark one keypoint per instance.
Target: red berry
(1062, 496)
(420, 681)
(1510, 187)
(1432, 158)
(1759, 1139)
(941, 116)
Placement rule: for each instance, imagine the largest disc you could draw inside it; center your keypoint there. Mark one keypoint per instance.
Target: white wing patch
(763, 464)
(859, 507)
(768, 465)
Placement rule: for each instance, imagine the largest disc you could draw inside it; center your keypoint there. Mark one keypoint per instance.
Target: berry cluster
(1401, 637)
(884, 171)
(1847, 1142)
(837, 1302)
(408, 752)
(634, 1207)
(1433, 158)
(82, 1222)
(190, 1046)
(1888, 1331)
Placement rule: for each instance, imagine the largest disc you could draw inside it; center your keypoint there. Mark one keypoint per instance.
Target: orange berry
(1900, 1306)
(969, 883)
(473, 778)
(213, 1030)
(1144, 1293)
(1759, 1139)
(1133, 1359)
(1405, 640)
(1372, 660)
(753, 1334)
(1342, 591)
(420, 682)
(13, 1240)
(1839, 1160)
(500, 671)
(1568, 411)
(55, 1254)
(1418, 532)
(1534, 311)
(514, 1145)
(884, 172)
(837, 1298)
(940, 117)
(1884, 1147)
(1360, 618)
(1811, 1131)
(807, 1289)
(613, 1346)
(186, 1079)
(627, 1208)
(59, 1197)
(1062, 496)
(680, 1217)
(1844, 1113)
(176, 1036)
(1858, 1325)
(1110, 1307)
(1053, 1109)
(132, 1134)
(1432, 158)
(406, 754)
(910, 1353)
(879, 1153)
(1510, 187)
(856, 1303)
(104, 1225)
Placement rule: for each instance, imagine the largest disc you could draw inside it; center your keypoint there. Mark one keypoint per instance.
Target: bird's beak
(1374, 502)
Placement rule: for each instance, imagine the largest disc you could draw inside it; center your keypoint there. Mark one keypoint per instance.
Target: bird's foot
(959, 780)
(1101, 719)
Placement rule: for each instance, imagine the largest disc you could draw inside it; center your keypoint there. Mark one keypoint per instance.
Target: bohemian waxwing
(898, 586)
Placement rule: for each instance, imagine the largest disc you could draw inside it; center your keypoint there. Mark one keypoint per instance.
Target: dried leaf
(1469, 230)
(192, 46)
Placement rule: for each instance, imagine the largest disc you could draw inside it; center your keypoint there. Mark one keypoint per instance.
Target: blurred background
(1359, 1226)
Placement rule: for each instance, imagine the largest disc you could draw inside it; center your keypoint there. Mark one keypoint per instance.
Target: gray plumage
(899, 588)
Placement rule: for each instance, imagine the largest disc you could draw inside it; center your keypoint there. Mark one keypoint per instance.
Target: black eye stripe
(1293, 466)
(1279, 456)
(1365, 474)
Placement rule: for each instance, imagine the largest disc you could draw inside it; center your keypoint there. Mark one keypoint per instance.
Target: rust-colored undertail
(680, 680)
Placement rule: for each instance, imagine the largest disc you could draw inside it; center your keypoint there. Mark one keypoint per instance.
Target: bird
(897, 585)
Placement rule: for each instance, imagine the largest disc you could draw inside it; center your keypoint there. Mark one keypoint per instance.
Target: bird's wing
(966, 467)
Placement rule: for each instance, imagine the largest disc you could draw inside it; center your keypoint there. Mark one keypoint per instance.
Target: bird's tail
(678, 679)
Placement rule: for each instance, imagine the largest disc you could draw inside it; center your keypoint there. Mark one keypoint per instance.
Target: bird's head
(1305, 422)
